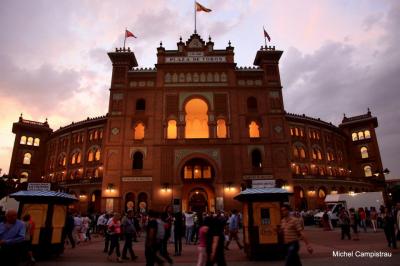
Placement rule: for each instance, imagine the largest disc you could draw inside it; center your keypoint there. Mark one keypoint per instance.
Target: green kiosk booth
(261, 222)
(48, 210)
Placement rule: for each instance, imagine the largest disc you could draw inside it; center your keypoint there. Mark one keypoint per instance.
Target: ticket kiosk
(261, 222)
(48, 210)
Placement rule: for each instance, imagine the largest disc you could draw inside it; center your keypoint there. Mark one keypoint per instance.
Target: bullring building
(194, 131)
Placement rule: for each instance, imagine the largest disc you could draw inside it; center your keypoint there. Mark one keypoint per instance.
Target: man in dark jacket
(128, 227)
(69, 227)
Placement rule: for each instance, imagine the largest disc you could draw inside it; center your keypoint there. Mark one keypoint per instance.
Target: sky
(339, 56)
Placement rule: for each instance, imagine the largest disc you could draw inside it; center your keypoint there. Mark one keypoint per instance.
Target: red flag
(200, 8)
(129, 34)
(266, 35)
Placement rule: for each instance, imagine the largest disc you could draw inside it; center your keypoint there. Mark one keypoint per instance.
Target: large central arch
(196, 119)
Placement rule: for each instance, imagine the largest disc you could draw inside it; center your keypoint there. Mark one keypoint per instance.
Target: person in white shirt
(189, 224)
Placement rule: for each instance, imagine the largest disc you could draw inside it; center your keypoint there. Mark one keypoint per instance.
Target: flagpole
(125, 37)
(265, 38)
(195, 30)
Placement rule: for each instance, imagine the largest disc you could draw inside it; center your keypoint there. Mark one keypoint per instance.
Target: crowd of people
(211, 232)
(206, 230)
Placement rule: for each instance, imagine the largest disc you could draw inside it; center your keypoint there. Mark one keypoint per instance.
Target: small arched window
(302, 153)
(367, 134)
(364, 152)
(139, 131)
(367, 171)
(354, 136)
(254, 131)
(296, 131)
(96, 134)
(321, 193)
(172, 130)
(360, 135)
(140, 105)
(295, 152)
(221, 129)
(252, 104)
(90, 156)
(23, 140)
(73, 158)
(291, 131)
(319, 154)
(27, 158)
(314, 154)
(137, 160)
(30, 141)
(256, 159)
(97, 155)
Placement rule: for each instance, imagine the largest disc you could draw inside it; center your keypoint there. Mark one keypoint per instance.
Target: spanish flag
(200, 8)
(129, 34)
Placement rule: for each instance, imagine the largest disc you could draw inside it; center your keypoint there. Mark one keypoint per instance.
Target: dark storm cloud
(331, 81)
(42, 88)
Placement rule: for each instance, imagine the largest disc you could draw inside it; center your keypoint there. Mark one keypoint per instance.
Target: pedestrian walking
(77, 228)
(389, 227)
(29, 229)
(151, 245)
(292, 233)
(189, 224)
(354, 223)
(233, 226)
(363, 219)
(114, 231)
(69, 228)
(374, 218)
(178, 233)
(202, 247)
(344, 220)
(128, 227)
(215, 241)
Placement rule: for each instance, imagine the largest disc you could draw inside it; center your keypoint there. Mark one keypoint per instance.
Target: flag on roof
(266, 35)
(129, 34)
(200, 8)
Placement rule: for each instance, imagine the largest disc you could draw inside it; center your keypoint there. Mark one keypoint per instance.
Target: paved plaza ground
(323, 242)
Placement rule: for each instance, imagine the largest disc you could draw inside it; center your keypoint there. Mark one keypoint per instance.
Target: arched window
(314, 154)
(321, 171)
(360, 135)
(139, 131)
(364, 152)
(96, 134)
(23, 140)
(97, 155)
(367, 171)
(27, 158)
(197, 169)
(295, 152)
(78, 157)
(91, 156)
(221, 129)
(367, 134)
(137, 160)
(252, 104)
(91, 135)
(254, 131)
(354, 136)
(196, 119)
(172, 130)
(96, 173)
(256, 159)
(23, 177)
(296, 131)
(30, 141)
(321, 193)
(302, 153)
(100, 134)
(73, 158)
(291, 131)
(319, 154)
(140, 105)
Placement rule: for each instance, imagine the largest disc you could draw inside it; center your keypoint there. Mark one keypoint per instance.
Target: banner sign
(195, 59)
(39, 186)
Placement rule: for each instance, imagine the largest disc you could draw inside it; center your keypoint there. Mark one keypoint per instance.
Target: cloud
(336, 79)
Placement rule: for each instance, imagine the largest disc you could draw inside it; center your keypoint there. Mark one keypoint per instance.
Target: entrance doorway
(198, 200)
